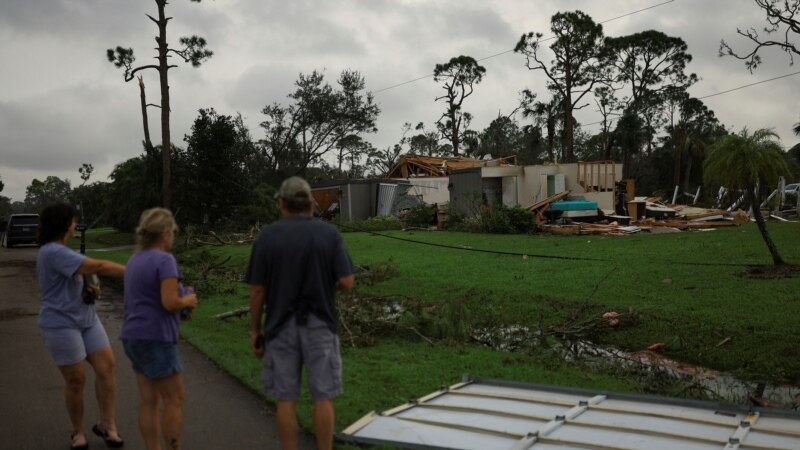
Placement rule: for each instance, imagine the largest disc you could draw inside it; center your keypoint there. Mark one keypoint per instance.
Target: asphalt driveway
(219, 412)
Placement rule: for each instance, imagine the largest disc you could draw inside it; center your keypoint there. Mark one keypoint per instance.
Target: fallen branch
(724, 341)
(235, 313)
(216, 236)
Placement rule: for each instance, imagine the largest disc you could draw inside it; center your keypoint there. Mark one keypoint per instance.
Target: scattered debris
(612, 317)
(409, 165)
(655, 347)
(724, 341)
(235, 313)
(539, 208)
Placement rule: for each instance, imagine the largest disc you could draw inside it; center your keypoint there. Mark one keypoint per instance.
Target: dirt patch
(14, 313)
(773, 271)
(18, 263)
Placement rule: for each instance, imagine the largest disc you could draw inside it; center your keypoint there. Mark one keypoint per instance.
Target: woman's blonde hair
(152, 224)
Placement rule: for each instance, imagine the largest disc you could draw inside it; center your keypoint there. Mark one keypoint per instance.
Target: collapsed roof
(410, 165)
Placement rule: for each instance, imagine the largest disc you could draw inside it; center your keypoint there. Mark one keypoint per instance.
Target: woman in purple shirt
(69, 324)
(154, 299)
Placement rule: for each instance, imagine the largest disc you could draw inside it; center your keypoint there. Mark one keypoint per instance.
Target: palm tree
(796, 129)
(748, 162)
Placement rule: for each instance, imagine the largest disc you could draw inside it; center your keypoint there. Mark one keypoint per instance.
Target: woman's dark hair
(54, 221)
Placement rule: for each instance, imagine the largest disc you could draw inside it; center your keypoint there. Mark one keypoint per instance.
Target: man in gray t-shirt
(296, 266)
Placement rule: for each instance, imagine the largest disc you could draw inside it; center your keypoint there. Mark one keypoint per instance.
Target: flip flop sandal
(72, 446)
(110, 443)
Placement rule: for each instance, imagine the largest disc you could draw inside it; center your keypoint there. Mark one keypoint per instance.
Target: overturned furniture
(480, 414)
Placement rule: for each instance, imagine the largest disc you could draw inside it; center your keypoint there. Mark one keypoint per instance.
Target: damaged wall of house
(431, 190)
(466, 188)
(361, 199)
(595, 183)
(527, 185)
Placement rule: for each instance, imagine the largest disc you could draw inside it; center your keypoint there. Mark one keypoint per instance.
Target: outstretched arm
(256, 312)
(101, 267)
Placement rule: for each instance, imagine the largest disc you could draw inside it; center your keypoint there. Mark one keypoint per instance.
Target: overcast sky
(63, 104)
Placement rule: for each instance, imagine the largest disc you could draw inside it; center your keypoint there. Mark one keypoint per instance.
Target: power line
(511, 50)
(737, 88)
(524, 255)
(748, 85)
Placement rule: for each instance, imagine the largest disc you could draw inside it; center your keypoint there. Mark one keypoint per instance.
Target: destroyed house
(595, 182)
(361, 199)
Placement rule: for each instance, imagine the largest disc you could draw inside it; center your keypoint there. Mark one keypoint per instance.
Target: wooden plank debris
(547, 201)
(235, 313)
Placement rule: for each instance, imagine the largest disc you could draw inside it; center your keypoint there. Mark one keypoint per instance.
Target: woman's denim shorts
(153, 359)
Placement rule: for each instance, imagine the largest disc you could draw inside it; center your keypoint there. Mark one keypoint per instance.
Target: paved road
(219, 412)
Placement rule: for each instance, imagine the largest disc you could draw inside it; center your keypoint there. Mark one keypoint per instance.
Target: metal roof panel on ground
(502, 414)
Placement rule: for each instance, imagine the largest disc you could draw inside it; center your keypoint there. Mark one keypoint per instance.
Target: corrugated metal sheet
(486, 414)
(466, 189)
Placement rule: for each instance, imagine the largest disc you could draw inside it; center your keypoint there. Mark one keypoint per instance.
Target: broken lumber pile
(540, 207)
(685, 224)
(589, 229)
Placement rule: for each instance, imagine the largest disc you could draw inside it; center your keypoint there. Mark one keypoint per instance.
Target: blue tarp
(573, 205)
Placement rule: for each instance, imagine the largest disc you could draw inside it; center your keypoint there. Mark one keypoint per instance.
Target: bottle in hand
(184, 291)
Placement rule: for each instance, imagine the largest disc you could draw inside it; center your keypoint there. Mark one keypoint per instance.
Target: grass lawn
(685, 289)
(97, 238)
(688, 306)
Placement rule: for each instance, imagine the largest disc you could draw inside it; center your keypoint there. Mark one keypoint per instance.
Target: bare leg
(75, 380)
(286, 417)
(104, 363)
(171, 390)
(148, 412)
(323, 424)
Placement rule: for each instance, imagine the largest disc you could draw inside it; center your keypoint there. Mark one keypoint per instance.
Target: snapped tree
(193, 51)
(579, 64)
(650, 63)
(751, 163)
(459, 76)
(314, 124)
(545, 115)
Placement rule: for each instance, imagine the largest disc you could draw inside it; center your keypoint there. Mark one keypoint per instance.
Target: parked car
(793, 189)
(21, 229)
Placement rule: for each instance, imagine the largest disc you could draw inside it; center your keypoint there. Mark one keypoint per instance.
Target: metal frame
(740, 428)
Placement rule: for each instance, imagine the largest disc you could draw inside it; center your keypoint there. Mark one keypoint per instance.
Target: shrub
(503, 220)
(377, 223)
(421, 215)
(496, 222)
(521, 220)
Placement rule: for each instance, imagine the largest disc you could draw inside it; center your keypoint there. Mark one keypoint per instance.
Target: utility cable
(725, 91)
(523, 255)
(748, 85)
(470, 249)
(549, 38)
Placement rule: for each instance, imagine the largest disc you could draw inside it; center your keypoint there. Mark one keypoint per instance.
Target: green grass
(689, 307)
(386, 374)
(686, 289)
(102, 238)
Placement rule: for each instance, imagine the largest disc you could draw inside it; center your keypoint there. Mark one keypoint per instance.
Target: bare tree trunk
(454, 131)
(762, 227)
(688, 177)
(144, 114)
(163, 67)
(551, 136)
(569, 130)
(677, 142)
